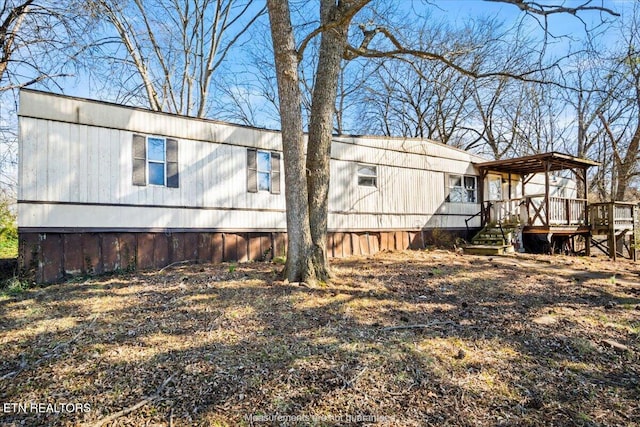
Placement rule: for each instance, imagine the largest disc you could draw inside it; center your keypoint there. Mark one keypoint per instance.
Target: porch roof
(537, 163)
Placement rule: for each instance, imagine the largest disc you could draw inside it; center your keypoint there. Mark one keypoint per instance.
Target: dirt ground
(415, 338)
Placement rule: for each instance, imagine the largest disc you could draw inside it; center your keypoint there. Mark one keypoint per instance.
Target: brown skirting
(55, 256)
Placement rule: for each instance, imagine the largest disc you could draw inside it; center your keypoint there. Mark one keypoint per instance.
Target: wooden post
(611, 237)
(483, 218)
(585, 196)
(546, 194)
(524, 222)
(635, 233)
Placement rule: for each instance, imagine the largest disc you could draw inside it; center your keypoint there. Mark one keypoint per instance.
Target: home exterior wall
(562, 187)
(79, 210)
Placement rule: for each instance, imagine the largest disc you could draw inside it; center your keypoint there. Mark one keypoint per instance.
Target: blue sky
(567, 28)
(560, 25)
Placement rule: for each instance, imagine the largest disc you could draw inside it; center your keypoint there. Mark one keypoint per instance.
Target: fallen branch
(132, 408)
(420, 326)
(188, 261)
(355, 378)
(10, 374)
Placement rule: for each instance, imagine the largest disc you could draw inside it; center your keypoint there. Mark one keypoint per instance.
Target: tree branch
(347, 16)
(364, 51)
(536, 8)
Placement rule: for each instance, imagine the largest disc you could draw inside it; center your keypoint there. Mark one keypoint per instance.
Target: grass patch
(13, 286)
(281, 260)
(8, 247)
(8, 232)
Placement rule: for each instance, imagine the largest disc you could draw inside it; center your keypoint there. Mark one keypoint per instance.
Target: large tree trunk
(627, 166)
(299, 265)
(323, 103)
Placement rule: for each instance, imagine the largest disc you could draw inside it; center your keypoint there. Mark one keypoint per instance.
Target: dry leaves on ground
(409, 338)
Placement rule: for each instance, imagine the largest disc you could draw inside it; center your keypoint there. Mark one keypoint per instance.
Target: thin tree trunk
(323, 103)
(299, 265)
(9, 30)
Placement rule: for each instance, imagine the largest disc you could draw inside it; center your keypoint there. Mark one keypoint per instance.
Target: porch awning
(537, 163)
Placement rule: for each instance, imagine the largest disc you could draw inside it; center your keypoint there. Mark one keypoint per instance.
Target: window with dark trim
(462, 189)
(155, 161)
(263, 171)
(367, 175)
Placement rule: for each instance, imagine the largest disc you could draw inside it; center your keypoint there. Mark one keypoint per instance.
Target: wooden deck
(615, 228)
(537, 211)
(548, 219)
(603, 225)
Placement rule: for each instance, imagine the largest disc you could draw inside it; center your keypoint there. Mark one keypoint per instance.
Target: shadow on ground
(410, 338)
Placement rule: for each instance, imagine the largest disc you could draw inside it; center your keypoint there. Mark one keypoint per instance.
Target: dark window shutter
(173, 176)
(139, 155)
(275, 173)
(252, 171)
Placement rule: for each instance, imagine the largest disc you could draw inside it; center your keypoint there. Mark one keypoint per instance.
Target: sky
(566, 29)
(561, 26)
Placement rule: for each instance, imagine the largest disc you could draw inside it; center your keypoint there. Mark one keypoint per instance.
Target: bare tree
(13, 17)
(8, 159)
(299, 265)
(166, 52)
(622, 126)
(605, 96)
(39, 41)
(543, 126)
(423, 99)
(588, 91)
(308, 182)
(40, 44)
(498, 110)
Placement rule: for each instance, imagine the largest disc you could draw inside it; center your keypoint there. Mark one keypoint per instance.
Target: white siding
(79, 151)
(129, 217)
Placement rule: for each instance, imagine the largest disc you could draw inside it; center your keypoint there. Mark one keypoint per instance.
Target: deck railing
(504, 211)
(602, 214)
(565, 211)
(532, 211)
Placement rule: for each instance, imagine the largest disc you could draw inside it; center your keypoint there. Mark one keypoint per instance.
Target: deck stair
(492, 240)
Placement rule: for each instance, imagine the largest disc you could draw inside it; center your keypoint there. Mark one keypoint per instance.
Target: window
(495, 188)
(155, 161)
(367, 176)
(263, 171)
(462, 189)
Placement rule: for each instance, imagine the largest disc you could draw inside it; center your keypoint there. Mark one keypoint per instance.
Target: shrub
(8, 231)
(13, 286)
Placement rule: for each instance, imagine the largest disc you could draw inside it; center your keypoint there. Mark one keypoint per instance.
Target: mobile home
(106, 187)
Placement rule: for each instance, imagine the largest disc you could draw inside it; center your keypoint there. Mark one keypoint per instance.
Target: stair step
(493, 237)
(488, 249)
(484, 243)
